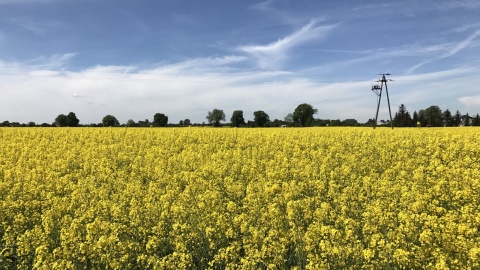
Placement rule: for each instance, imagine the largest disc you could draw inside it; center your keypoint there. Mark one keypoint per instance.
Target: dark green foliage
(457, 119)
(431, 116)
(261, 118)
(72, 120)
(476, 121)
(187, 122)
(131, 123)
(448, 118)
(160, 120)
(402, 117)
(289, 119)
(69, 120)
(349, 123)
(303, 115)
(415, 119)
(61, 120)
(467, 120)
(215, 116)
(237, 118)
(110, 121)
(145, 123)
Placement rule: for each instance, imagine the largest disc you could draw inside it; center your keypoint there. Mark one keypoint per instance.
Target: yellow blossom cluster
(202, 198)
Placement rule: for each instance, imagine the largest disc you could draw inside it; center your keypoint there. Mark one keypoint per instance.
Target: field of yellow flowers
(203, 198)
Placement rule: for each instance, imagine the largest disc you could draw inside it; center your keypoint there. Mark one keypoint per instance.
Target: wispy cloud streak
(53, 62)
(456, 49)
(271, 56)
(466, 4)
(265, 5)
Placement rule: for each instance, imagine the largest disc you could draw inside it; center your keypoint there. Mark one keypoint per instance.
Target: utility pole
(377, 89)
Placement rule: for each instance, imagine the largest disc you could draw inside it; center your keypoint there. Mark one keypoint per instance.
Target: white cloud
(53, 62)
(75, 95)
(467, 27)
(271, 56)
(462, 45)
(471, 103)
(184, 90)
(191, 88)
(265, 5)
(452, 51)
(29, 25)
(43, 72)
(202, 64)
(383, 6)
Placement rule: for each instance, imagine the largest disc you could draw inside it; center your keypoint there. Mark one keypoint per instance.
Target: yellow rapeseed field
(204, 198)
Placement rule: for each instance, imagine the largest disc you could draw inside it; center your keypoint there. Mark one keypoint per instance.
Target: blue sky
(133, 59)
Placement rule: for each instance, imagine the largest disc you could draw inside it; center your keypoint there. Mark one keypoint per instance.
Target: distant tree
(45, 125)
(402, 117)
(335, 123)
(303, 115)
(350, 122)
(160, 120)
(261, 118)
(370, 122)
(476, 121)
(145, 123)
(321, 122)
(5, 124)
(215, 116)
(466, 122)
(31, 124)
(422, 118)
(415, 119)
(110, 121)
(61, 120)
(432, 116)
(72, 120)
(457, 118)
(448, 118)
(187, 122)
(278, 123)
(237, 118)
(289, 119)
(131, 123)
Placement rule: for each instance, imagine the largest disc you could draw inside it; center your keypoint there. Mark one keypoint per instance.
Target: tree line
(433, 116)
(302, 116)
